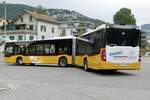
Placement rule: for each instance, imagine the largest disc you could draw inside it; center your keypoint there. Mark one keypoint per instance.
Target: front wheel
(19, 61)
(63, 62)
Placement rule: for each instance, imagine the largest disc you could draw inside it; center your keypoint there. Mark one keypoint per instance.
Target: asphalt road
(45, 82)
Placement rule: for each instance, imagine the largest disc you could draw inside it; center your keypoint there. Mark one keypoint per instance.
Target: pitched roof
(2, 21)
(38, 16)
(41, 16)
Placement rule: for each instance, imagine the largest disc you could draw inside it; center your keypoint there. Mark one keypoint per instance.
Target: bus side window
(81, 50)
(90, 50)
(16, 49)
(39, 49)
(21, 49)
(52, 49)
(49, 49)
(31, 49)
(9, 50)
(60, 50)
(66, 49)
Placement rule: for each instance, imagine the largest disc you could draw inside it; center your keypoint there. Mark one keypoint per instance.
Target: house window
(53, 30)
(70, 25)
(21, 19)
(30, 18)
(31, 37)
(43, 28)
(3, 36)
(20, 37)
(43, 37)
(31, 27)
(11, 37)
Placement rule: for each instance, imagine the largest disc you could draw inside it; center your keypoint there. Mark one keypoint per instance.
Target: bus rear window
(123, 37)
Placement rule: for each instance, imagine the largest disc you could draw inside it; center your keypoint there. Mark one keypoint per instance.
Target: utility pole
(4, 2)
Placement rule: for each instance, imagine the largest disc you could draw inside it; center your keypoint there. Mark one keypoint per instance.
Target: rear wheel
(32, 64)
(63, 62)
(85, 64)
(19, 61)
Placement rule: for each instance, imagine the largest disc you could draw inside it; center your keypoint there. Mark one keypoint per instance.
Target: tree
(42, 10)
(98, 23)
(124, 16)
(81, 29)
(81, 32)
(63, 33)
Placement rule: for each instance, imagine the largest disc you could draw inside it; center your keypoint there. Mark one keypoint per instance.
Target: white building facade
(46, 30)
(75, 28)
(31, 26)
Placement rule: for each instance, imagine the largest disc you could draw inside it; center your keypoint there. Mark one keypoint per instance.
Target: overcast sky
(100, 9)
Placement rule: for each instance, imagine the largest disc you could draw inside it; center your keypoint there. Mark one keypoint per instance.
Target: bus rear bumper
(112, 66)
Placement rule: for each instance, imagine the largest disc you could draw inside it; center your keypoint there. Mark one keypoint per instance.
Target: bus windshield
(122, 37)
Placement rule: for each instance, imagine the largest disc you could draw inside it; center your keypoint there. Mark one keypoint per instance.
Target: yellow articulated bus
(108, 47)
(115, 47)
(59, 50)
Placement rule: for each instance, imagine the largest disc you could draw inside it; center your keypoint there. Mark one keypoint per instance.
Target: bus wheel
(19, 61)
(85, 64)
(63, 62)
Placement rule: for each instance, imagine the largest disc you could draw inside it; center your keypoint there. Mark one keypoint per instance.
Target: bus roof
(122, 26)
(112, 26)
(69, 37)
(54, 38)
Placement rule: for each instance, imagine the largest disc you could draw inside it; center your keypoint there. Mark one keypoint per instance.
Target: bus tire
(63, 62)
(19, 61)
(85, 64)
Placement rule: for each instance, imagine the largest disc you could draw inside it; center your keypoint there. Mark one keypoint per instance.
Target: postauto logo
(116, 53)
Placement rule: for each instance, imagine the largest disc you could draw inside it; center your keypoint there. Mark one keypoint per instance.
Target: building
(31, 26)
(145, 37)
(75, 28)
(2, 23)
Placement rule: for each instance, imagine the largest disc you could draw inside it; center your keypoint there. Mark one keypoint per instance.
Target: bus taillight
(140, 58)
(103, 55)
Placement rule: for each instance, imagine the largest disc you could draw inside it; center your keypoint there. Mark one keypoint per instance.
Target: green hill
(67, 15)
(14, 10)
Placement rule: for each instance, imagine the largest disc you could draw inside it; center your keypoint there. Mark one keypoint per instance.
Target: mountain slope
(14, 10)
(67, 15)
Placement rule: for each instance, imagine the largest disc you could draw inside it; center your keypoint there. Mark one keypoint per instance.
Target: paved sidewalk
(19, 90)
